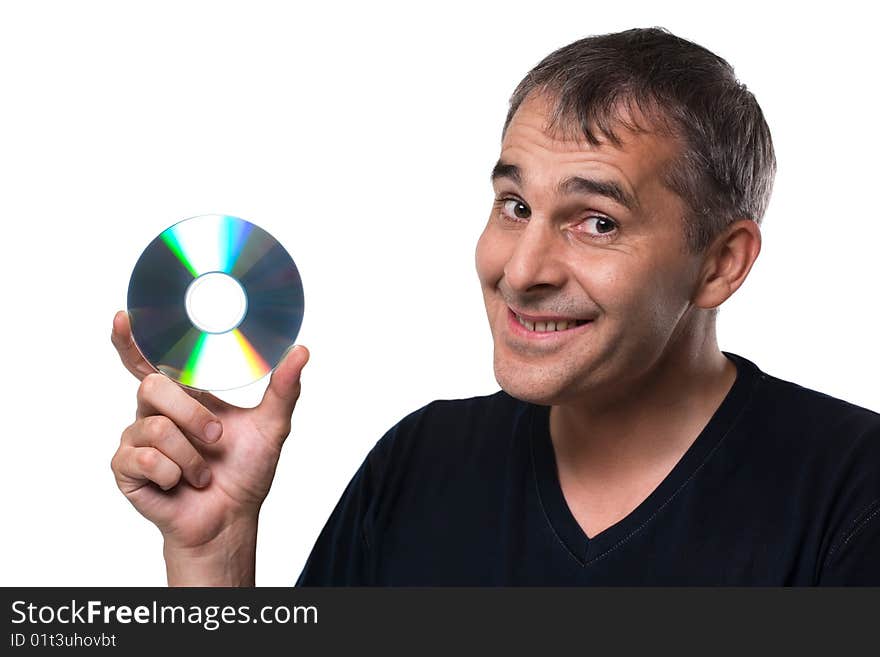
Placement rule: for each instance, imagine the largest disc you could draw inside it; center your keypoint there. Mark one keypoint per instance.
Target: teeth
(545, 327)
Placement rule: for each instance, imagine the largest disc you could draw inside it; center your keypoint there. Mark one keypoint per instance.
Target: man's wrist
(227, 560)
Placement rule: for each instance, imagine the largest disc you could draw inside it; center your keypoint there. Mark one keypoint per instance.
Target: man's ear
(728, 260)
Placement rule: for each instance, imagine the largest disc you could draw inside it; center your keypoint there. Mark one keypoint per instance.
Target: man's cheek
(607, 286)
(491, 255)
(482, 258)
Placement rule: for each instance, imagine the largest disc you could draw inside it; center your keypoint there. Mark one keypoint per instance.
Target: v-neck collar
(587, 550)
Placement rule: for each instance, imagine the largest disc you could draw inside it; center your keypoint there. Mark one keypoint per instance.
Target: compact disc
(215, 302)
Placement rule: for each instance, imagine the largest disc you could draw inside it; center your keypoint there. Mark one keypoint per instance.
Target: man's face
(576, 253)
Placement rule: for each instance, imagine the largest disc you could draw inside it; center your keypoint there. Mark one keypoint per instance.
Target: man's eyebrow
(505, 170)
(573, 185)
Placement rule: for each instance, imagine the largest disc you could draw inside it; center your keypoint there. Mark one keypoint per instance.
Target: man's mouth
(546, 324)
(546, 327)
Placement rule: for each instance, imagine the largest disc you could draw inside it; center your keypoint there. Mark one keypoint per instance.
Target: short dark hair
(726, 167)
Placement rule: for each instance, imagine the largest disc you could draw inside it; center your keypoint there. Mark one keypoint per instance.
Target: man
(624, 447)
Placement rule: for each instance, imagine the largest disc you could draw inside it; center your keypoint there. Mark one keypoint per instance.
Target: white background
(361, 136)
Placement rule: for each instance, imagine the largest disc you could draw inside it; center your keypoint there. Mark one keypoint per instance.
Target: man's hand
(200, 468)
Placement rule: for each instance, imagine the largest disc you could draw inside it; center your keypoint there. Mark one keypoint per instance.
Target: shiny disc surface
(214, 302)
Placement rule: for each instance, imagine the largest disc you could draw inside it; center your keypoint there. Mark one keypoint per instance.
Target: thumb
(280, 397)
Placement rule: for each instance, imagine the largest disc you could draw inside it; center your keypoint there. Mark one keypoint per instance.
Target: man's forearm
(228, 560)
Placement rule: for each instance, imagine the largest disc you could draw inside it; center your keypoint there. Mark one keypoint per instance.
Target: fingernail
(213, 431)
(204, 478)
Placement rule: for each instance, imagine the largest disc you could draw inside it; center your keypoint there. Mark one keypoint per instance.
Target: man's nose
(536, 258)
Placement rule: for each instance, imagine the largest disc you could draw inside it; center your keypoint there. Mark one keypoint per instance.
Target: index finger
(159, 395)
(128, 352)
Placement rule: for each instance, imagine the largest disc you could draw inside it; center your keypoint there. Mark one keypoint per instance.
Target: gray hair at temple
(726, 166)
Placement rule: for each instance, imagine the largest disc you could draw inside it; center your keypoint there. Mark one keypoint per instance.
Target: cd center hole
(215, 302)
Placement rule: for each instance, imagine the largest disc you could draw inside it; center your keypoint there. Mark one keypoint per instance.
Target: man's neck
(647, 431)
(611, 457)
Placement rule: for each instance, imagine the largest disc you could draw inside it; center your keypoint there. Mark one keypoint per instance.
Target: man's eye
(515, 209)
(597, 225)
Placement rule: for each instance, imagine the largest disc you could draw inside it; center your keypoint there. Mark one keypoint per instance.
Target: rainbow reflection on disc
(214, 302)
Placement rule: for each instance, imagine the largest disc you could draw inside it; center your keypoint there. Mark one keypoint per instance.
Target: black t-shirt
(782, 487)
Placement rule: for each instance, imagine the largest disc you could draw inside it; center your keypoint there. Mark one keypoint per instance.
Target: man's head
(634, 169)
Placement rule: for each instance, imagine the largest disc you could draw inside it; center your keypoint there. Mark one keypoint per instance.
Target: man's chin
(537, 389)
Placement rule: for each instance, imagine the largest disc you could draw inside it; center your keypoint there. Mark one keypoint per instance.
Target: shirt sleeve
(854, 560)
(345, 553)
(341, 555)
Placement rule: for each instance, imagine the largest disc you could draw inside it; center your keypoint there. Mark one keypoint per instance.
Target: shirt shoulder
(821, 424)
(446, 432)
(827, 450)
